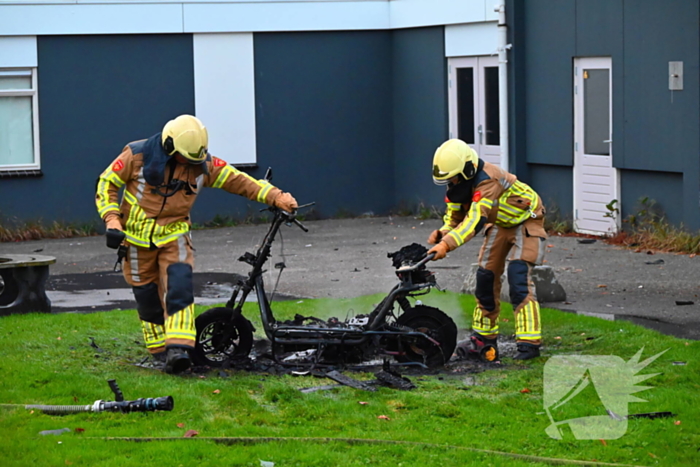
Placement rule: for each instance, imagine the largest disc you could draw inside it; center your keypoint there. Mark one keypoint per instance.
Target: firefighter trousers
(521, 248)
(161, 279)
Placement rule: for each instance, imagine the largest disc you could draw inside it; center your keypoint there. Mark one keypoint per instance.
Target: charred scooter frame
(411, 334)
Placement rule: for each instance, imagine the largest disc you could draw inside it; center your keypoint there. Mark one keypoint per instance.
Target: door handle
(608, 141)
(481, 134)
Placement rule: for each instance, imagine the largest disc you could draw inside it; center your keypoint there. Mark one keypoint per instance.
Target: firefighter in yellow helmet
(482, 195)
(161, 177)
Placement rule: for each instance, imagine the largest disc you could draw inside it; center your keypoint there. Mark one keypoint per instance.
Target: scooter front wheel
(221, 336)
(435, 324)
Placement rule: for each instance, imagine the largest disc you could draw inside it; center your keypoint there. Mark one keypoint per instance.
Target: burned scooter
(412, 333)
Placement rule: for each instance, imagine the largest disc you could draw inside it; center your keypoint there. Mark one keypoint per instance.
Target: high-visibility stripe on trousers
(153, 336)
(484, 325)
(527, 322)
(179, 328)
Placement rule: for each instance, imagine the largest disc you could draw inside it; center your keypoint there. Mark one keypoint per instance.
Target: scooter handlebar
(291, 217)
(424, 260)
(418, 264)
(301, 226)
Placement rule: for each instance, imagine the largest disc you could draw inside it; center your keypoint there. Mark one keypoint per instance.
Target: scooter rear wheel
(221, 337)
(435, 324)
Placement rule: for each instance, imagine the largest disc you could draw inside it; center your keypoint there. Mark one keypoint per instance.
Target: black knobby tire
(219, 339)
(438, 326)
(9, 289)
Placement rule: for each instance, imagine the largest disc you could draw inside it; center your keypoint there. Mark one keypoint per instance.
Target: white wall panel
(288, 16)
(90, 19)
(489, 6)
(471, 39)
(414, 13)
(18, 51)
(172, 16)
(224, 80)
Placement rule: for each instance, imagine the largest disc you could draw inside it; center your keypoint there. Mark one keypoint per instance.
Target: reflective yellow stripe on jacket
(104, 204)
(449, 218)
(509, 215)
(466, 229)
(227, 171)
(140, 230)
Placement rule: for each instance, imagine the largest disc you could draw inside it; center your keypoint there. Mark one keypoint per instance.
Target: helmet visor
(196, 157)
(440, 177)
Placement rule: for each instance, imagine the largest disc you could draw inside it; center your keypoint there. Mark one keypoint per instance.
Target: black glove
(115, 238)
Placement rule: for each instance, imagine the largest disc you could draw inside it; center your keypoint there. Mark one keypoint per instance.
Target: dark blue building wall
(661, 126)
(553, 183)
(419, 113)
(548, 79)
(655, 34)
(662, 190)
(656, 142)
(324, 117)
(96, 93)
(517, 91)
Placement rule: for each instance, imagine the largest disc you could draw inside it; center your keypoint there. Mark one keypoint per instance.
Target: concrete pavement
(342, 258)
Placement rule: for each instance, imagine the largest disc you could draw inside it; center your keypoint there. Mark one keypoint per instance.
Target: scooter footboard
(313, 336)
(332, 336)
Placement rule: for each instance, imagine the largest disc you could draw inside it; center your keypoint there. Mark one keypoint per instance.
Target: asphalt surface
(343, 258)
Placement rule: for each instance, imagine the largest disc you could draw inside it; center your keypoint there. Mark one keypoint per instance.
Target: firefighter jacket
(159, 192)
(493, 196)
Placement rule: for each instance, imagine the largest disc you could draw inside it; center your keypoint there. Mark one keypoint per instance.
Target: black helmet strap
(169, 146)
(469, 170)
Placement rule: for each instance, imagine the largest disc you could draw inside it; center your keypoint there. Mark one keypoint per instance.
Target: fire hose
(148, 404)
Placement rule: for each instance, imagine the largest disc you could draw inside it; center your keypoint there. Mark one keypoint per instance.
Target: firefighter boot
(158, 360)
(526, 351)
(177, 360)
(479, 347)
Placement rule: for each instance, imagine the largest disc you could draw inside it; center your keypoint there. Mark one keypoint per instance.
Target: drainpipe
(503, 47)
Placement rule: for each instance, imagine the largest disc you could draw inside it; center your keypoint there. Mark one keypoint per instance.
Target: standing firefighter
(162, 176)
(480, 194)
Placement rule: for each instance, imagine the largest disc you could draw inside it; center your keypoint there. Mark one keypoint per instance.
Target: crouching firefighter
(480, 196)
(161, 177)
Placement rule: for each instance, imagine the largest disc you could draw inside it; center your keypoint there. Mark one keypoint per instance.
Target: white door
(596, 181)
(473, 104)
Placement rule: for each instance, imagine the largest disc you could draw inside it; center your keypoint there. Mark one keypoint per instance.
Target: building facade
(347, 100)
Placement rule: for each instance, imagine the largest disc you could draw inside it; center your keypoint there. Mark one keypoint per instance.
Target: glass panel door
(465, 104)
(473, 104)
(490, 147)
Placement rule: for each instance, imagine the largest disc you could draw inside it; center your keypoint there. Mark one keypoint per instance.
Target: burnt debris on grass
(387, 372)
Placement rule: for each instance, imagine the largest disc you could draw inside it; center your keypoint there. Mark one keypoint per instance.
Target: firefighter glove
(114, 238)
(115, 235)
(286, 202)
(112, 222)
(435, 237)
(440, 251)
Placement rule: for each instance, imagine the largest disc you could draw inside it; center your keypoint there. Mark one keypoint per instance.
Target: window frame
(33, 93)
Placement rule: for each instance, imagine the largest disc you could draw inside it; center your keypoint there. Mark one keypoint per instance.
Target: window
(19, 135)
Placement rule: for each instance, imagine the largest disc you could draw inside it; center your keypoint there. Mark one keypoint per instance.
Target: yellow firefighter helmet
(452, 158)
(187, 136)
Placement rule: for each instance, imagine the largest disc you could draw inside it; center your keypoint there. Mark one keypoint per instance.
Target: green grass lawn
(450, 419)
